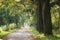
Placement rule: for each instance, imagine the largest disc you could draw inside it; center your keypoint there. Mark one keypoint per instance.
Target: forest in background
(42, 16)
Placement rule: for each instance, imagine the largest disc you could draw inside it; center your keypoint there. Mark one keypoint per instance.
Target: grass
(41, 35)
(3, 33)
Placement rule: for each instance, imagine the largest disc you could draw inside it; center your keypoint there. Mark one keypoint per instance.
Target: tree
(44, 17)
(39, 16)
(47, 19)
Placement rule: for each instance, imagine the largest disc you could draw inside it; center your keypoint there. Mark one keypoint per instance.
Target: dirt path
(21, 34)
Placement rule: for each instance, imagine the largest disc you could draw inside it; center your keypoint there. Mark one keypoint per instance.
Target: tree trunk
(47, 19)
(39, 16)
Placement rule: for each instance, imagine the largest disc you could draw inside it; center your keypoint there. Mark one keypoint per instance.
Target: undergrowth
(41, 36)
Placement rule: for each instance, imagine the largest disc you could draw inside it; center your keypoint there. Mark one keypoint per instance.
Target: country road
(21, 34)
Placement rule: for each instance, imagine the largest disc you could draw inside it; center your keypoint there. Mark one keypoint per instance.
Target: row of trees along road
(19, 11)
(16, 12)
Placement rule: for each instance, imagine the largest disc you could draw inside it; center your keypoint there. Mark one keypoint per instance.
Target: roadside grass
(3, 33)
(41, 35)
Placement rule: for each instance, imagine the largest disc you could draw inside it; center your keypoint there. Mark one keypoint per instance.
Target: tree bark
(47, 19)
(39, 16)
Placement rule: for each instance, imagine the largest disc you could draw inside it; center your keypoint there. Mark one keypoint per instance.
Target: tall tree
(39, 16)
(44, 17)
(47, 19)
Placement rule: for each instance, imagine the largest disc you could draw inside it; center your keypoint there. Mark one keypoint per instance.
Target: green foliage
(55, 16)
(41, 36)
(17, 11)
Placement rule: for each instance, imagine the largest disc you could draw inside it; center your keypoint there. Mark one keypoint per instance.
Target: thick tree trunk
(39, 17)
(47, 19)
